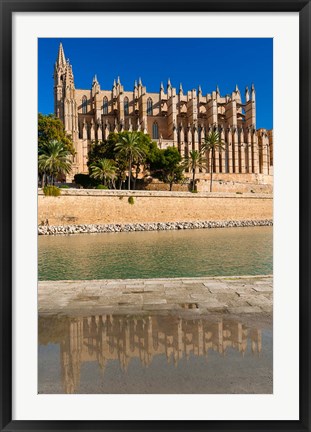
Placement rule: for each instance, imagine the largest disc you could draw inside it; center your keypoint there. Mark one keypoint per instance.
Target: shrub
(85, 181)
(100, 186)
(63, 186)
(51, 191)
(131, 200)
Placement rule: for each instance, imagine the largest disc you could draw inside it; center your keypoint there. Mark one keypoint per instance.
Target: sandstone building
(170, 117)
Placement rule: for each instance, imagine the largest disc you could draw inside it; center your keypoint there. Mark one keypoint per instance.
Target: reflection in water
(123, 338)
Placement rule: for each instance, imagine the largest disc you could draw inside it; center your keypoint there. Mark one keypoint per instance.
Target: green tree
(54, 161)
(51, 128)
(130, 146)
(106, 150)
(212, 143)
(104, 170)
(140, 161)
(167, 166)
(85, 181)
(194, 161)
(154, 156)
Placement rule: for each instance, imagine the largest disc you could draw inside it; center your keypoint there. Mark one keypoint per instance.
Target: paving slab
(247, 294)
(244, 309)
(263, 288)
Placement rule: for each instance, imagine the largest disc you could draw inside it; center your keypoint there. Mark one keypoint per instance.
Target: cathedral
(172, 118)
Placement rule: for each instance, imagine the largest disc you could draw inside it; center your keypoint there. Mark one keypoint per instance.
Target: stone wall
(245, 183)
(104, 207)
(228, 183)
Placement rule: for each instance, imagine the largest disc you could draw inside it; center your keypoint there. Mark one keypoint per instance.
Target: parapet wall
(227, 183)
(230, 183)
(103, 207)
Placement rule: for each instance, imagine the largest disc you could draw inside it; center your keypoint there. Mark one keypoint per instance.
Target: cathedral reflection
(102, 338)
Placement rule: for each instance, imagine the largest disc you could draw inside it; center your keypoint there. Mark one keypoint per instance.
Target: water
(189, 253)
(155, 354)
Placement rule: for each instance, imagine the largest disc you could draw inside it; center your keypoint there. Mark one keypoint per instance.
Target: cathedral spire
(61, 56)
(253, 93)
(246, 94)
(95, 85)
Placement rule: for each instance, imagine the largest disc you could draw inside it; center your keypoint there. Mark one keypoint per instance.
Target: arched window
(84, 105)
(149, 107)
(126, 106)
(155, 130)
(105, 105)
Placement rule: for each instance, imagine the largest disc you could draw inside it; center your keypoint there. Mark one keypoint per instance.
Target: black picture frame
(7, 10)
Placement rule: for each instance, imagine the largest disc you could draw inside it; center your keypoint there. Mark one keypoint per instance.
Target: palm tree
(54, 160)
(195, 160)
(130, 146)
(212, 143)
(104, 170)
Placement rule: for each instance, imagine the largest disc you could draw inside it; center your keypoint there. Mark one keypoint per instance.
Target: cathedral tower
(65, 106)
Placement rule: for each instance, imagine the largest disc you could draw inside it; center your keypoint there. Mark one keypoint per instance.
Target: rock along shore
(152, 226)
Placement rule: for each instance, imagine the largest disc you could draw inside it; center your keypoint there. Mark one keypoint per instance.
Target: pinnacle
(61, 60)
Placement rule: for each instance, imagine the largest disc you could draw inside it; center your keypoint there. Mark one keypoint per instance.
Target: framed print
(155, 215)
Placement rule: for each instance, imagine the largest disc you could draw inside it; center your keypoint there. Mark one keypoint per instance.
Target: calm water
(190, 253)
(154, 354)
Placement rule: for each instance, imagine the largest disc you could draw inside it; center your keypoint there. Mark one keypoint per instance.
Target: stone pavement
(234, 295)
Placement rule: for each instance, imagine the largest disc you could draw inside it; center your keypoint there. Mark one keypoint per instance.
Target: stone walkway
(235, 295)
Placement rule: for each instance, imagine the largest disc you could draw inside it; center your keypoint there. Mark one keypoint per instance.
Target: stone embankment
(103, 207)
(156, 226)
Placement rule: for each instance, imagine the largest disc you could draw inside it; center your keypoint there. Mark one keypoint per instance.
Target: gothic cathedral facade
(171, 118)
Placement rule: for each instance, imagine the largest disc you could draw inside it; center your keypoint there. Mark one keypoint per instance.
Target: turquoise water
(190, 253)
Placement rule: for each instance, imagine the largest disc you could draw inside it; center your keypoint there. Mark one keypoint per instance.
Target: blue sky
(208, 62)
